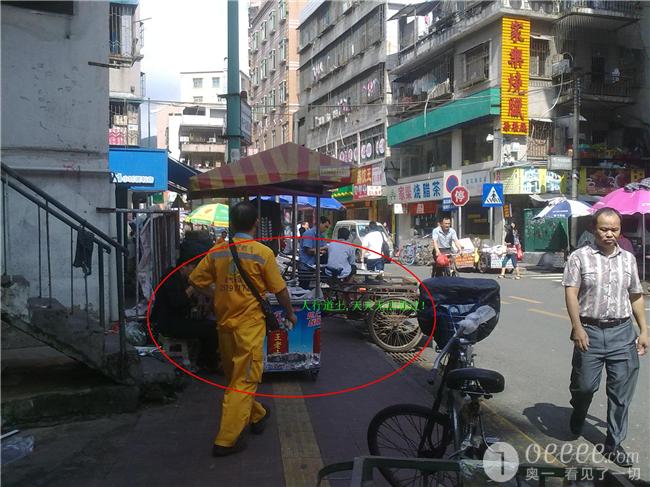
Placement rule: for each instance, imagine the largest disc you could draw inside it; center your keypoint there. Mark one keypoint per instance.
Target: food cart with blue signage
(288, 169)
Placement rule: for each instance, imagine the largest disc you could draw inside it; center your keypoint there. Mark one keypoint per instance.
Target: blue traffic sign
(492, 195)
(447, 204)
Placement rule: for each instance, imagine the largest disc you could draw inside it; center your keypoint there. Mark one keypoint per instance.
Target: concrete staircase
(59, 363)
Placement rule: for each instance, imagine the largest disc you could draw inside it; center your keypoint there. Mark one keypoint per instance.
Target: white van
(358, 230)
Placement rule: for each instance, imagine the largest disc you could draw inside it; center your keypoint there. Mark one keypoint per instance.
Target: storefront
(419, 205)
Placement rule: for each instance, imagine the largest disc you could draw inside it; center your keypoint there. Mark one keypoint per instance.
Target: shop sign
(507, 211)
(366, 190)
(515, 59)
(427, 190)
(600, 181)
(447, 205)
(531, 180)
(398, 209)
(474, 181)
(372, 148)
(424, 208)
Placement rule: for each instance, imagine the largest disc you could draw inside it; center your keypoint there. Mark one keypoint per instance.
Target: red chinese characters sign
(515, 60)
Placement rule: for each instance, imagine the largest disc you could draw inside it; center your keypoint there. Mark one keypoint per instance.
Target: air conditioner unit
(212, 140)
(184, 138)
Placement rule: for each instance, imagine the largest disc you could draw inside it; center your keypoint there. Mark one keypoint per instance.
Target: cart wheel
(394, 325)
(313, 374)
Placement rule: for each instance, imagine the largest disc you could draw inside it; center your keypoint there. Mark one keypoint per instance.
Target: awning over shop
(284, 170)
(415, 9)
(325, 203)
(179, 175)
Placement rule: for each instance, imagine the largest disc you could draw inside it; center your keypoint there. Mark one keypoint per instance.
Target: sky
(187, 35)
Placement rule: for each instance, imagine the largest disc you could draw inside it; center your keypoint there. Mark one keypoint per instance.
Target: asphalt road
(530, 347)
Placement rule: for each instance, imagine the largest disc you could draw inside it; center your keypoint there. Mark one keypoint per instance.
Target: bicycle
(452, 427)
(449, 270)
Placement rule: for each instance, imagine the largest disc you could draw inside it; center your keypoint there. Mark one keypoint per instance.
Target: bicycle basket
(455, 298)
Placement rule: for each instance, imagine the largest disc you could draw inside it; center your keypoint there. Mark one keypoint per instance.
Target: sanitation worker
(241, 325)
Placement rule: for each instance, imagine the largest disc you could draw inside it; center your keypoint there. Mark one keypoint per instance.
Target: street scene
(307, 242)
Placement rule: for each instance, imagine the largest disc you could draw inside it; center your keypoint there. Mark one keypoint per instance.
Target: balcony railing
(606, 85)
(629, 8)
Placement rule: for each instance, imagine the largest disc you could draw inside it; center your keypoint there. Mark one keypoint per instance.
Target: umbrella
(214, 214)
(632, 199)
(564, 209)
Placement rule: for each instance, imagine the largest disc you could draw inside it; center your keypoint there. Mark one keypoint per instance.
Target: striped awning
(287, 169)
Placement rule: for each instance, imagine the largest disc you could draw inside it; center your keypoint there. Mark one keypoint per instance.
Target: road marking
(301, 456)
(511, 425)
(525, 299)
(549, 276)
(548, 313)
(505, 302)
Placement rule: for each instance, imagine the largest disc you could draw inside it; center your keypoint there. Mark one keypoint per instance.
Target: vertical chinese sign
(515, 59)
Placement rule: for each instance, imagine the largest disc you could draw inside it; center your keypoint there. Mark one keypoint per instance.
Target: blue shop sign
(139, 169)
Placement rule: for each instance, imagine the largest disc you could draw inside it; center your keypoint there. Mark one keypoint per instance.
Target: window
(272, 21)
(539, 57)
(272, 101)
(263, 69)
(477, 63)
(194, 111)
(273, 61)
(216, 83)
(475, 148)
(197, 82)
(264, 31)
(272, 138)
(284, 136)
(197, 99)
(284, 94)
(282, 10)
(284, 49)
(120, 29)
(256, 40)
(215, 113)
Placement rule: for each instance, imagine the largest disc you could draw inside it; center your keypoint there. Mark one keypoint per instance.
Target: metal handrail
(113, 243)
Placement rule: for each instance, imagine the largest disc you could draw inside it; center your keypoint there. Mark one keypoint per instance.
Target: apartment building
(193, 131)
(486, 88)
(345, 52)
(273, 59)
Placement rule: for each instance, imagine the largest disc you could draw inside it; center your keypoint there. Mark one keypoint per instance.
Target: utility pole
(576, 152)
(233, 100)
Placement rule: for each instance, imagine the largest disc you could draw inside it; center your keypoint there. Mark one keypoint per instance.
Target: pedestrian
(222, 238)
(341, 257)
(512, 246)
(445, 245)
(172, 314)
(602, 292)
(373, 240)
(242, 325)
(307, 257)
(625, 244)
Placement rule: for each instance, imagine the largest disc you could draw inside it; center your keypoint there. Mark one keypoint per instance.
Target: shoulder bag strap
(244, 275)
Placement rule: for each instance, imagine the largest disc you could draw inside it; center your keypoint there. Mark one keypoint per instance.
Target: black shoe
(258, 428)
(618, 456)
(576, 423)
(222, 451)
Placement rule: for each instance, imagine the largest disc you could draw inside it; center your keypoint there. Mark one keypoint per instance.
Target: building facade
(193, 131)
(345, 53)
(126, 81)
(55, 90)
(273, 60)
(486, 88)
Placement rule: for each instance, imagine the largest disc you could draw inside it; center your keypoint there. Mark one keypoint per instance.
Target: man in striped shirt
(602, 292)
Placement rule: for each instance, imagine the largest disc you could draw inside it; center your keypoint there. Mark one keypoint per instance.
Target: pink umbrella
(628, 203)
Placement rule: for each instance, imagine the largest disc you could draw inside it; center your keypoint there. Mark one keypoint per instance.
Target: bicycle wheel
(394, 326)
(411, 431)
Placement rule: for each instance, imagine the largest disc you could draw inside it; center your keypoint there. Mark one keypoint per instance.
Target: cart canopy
(289, 169)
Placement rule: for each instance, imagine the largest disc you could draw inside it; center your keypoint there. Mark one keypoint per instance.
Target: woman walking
(512, 246)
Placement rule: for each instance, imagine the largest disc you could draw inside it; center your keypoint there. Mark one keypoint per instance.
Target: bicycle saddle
(489, 380)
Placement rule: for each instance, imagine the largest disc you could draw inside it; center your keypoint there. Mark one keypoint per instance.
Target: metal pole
(576, 155)
(318, 290)
(295, 241)
(259, 215)
(233, 107)
(643, 243)
(492, 223)
(148, 122)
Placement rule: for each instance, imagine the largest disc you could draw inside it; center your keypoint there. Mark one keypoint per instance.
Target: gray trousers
(615, 349)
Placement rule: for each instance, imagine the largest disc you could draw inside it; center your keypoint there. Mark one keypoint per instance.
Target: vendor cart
(491, 257)
(288, 169)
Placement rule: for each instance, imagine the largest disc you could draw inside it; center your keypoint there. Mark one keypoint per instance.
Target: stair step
(41, 386)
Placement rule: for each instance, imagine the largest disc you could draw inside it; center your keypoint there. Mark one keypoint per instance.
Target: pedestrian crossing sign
(492, 195)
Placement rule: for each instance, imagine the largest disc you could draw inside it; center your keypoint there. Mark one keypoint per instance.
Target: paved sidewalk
(171, 445)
